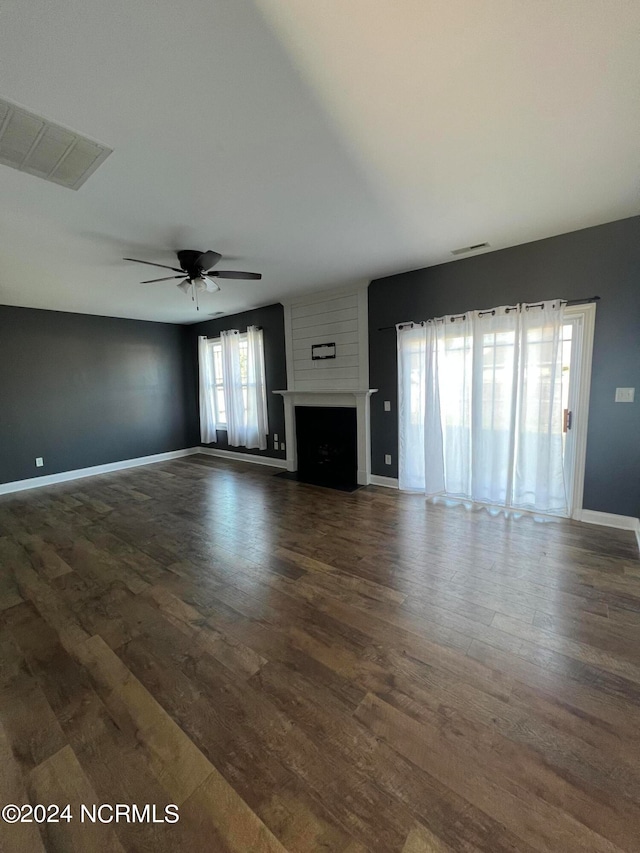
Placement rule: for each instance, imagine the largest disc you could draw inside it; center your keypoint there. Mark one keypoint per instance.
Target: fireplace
(354, 400)
(327, 445)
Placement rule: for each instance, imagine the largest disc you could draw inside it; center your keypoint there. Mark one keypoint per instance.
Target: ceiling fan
(197, 267)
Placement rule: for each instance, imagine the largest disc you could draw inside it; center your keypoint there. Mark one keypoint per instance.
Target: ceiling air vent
(32, 144)
(466, 249)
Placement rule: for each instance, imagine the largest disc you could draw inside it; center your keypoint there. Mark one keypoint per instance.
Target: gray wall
(605, 261)
(83, 390)
(271, 319)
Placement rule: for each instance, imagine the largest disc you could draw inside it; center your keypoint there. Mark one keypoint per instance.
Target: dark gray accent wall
(271, 319)
(83, 390)
(603, 261)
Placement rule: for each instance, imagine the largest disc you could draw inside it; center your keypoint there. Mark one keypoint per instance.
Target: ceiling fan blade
(151, 264)
(208, 259)
(253, 276)
(168, 278)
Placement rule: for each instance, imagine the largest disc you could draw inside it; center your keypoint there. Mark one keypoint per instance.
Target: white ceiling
(318, 143)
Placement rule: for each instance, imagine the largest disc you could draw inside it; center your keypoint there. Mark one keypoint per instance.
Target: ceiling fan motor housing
(188, 259)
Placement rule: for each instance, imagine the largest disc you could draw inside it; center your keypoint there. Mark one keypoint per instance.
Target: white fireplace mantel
(351, 398)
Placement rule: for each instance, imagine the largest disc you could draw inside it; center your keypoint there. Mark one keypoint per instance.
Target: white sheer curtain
(257, 426)
(480, 407)
(232, 380)
(206, 389)
(243, 376)
(538, 481)
(415, 380)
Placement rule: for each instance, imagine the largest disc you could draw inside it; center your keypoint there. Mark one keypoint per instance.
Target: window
(233, 388)
(218, 380)
(481, 401)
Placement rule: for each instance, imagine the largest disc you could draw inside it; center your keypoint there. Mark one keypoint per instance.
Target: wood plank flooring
(304, 670)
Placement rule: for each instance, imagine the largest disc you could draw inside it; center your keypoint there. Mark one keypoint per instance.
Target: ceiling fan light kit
(196, 266)
(205, 284)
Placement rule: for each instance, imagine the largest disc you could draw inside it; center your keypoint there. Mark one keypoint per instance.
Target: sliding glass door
(576, 369)
(487, 407)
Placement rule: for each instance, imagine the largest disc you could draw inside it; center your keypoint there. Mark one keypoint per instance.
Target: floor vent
(32, 144)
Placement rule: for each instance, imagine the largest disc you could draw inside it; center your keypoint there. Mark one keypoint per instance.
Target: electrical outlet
(387, 459)
(275, 437)
(39, 461)
(282, 445)
(625, 395)
(387, 405)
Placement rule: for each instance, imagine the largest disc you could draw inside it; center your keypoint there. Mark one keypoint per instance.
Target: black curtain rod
(214, 337)
(584, 301)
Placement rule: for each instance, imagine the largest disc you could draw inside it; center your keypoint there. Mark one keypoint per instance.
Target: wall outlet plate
(282, 445)
(387, 405)
(39, 461)
(387, 459)
(625, 395)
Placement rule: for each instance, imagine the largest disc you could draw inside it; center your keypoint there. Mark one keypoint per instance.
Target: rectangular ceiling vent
(466, 249)
(32, 144)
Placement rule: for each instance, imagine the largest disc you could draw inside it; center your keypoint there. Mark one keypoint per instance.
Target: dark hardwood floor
(307, 670)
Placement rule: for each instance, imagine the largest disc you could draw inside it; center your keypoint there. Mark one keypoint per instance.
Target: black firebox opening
(326, 440)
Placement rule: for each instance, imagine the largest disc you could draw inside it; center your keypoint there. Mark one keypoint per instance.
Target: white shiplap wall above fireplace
(337, 317)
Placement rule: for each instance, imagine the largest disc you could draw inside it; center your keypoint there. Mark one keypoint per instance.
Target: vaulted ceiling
(317, 143)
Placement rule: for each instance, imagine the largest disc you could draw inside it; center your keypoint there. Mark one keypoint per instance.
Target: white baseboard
(242, 457)
(608, 519)
(80, 473)
(387, 482)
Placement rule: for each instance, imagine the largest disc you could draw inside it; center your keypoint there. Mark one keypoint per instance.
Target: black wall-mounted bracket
(321, 351)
